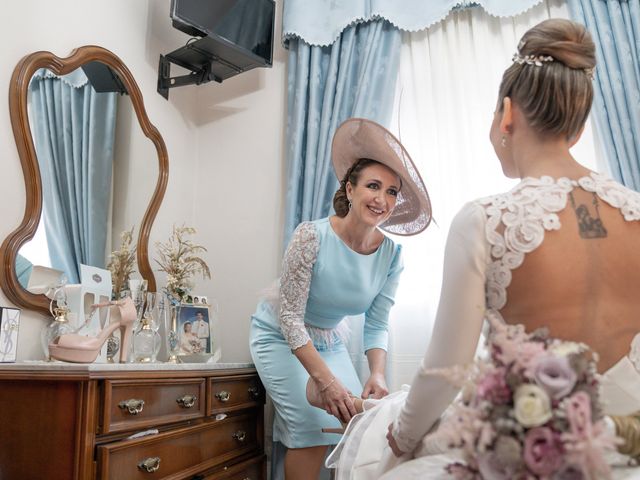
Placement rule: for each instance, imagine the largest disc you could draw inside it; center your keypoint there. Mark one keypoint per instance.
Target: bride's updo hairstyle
(340, 200)
(550, 78)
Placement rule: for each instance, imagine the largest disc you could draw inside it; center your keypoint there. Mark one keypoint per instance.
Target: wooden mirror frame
(18, 89)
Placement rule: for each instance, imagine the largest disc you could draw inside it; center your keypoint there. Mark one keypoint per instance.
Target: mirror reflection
(98, 169)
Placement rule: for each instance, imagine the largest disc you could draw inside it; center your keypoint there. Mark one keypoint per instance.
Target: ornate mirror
(89, 169)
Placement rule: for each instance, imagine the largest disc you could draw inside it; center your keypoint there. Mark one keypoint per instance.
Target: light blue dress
(322, 281)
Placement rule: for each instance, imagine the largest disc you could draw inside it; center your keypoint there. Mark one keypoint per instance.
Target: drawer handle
(240, 435)
(187, 401)
(133, 406)
(223, 396)
(254, 392)
(150, 465)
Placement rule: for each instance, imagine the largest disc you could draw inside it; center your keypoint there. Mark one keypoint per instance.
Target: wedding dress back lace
(555, 253)
(565, 250)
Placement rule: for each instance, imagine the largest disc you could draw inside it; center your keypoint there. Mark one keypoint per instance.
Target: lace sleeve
(297, 267)
(457, 327)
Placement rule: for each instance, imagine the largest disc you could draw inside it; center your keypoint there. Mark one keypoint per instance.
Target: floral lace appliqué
(517, 221)
(297, 269)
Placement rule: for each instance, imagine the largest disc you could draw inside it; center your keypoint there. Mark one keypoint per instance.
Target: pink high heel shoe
(76, 348)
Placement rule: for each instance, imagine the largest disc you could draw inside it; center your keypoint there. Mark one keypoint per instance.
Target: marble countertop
(54, 366)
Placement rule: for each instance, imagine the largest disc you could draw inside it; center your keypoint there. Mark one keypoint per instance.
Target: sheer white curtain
(447, 92)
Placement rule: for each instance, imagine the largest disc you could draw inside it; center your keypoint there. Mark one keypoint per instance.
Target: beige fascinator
(360, 138)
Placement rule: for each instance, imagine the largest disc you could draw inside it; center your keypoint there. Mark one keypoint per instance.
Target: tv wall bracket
(192, 58)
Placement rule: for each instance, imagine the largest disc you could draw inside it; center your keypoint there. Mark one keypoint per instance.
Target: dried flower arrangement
(122, 263)
(179, 259)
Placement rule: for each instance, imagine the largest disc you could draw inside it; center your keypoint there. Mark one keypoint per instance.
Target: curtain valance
(75, 79)
(320, 22)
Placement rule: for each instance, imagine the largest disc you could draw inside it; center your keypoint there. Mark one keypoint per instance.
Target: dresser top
(110, 367)
(39, 368)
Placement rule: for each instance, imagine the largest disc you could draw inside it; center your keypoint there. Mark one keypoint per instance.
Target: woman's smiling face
(374, 197)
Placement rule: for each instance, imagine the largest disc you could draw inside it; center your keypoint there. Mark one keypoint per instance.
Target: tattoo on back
(589, 227)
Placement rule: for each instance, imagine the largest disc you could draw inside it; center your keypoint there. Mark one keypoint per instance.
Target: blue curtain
(74, 131)
(615, 27)
(355, 76)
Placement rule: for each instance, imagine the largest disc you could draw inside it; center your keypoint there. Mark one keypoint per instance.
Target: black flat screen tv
(237, 27)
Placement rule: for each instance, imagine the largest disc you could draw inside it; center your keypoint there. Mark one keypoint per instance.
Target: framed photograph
(194, 329)
(9, 326)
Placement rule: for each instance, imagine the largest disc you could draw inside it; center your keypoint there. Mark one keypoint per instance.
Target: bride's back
(573, 265)
(582, 285)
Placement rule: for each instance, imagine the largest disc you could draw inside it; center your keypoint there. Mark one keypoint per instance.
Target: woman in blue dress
(334, 267)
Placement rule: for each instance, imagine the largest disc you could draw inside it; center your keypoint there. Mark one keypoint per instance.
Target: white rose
(532, 406)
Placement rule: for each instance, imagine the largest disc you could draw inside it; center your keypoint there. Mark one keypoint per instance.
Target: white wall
(238, 184)
(224, 178)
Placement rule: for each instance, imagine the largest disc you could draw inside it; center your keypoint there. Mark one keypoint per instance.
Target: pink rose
(542, 451)
(493, 387)
(555, 376)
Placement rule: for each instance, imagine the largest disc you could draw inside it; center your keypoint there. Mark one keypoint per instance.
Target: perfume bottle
(60, 323)
(146, 341)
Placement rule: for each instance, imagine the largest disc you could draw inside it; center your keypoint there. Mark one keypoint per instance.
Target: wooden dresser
(65, 421)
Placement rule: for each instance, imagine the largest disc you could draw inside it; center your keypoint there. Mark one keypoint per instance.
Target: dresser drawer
(253, 469)
(135, 404)
(179, 453)
(235, 393)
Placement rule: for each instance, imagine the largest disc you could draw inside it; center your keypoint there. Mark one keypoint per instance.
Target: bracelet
(324, 387)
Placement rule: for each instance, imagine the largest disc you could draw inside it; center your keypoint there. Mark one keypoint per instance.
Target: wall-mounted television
(233, 36)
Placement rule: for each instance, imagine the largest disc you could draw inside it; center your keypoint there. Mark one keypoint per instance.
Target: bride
(560, 250)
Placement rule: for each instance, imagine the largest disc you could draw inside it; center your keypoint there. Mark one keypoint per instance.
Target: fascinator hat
(360, 138)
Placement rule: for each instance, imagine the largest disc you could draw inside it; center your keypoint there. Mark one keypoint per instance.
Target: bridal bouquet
(530, 410)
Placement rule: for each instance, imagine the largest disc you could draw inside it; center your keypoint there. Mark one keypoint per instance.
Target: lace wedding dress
(488, 240)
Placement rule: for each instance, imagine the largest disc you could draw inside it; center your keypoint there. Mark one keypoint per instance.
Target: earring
(503, 142)
(349, 204)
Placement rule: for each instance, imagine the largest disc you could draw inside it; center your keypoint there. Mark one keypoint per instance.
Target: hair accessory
(536, 60)
(591, 72)
(360, 138)
(539, 60)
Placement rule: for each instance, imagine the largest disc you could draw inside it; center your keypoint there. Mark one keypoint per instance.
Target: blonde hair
(554, 96)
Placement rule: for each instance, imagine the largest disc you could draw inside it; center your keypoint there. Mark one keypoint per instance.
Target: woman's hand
(337, 401)
(392, 442)
(375, 387)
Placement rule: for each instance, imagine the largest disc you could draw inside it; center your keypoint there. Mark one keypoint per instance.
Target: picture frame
(9, 328)
(194, 329)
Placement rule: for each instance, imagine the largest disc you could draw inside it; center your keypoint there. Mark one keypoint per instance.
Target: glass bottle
(172, 312)
(60, 323)
(146, 341)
